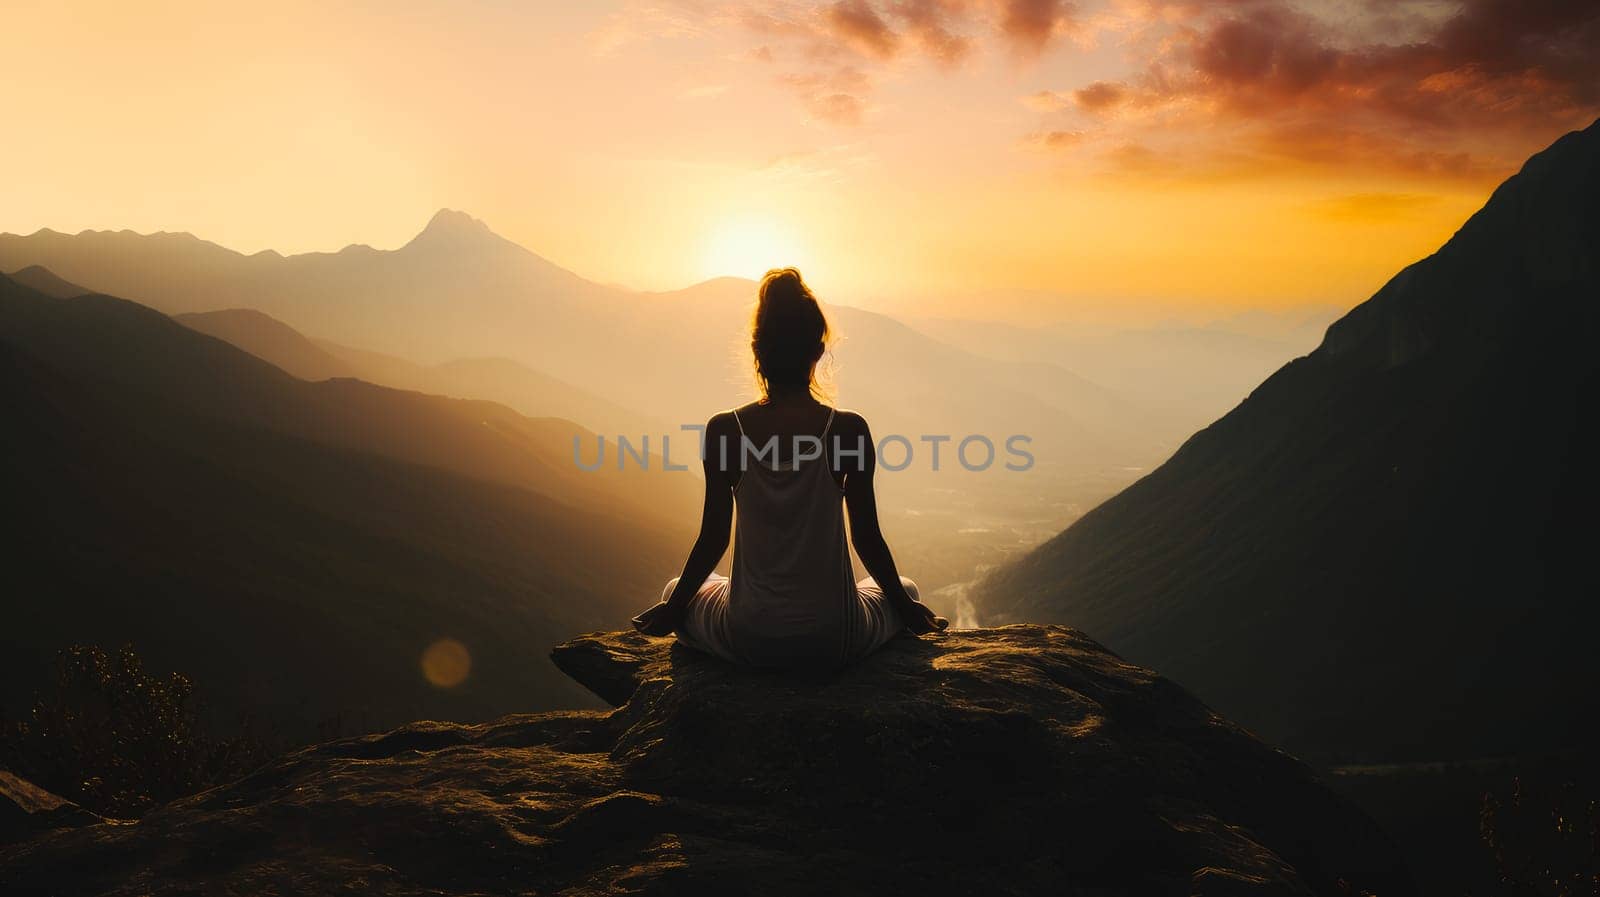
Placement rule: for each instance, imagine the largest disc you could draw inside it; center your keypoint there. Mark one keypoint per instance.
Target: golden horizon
(905, 165)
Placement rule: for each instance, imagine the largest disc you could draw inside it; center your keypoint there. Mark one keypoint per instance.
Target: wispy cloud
(835, 94)
(823, 163)
(1451, 89)
(1031, 25)
(1099, 96)
(1448, 90)
(1053, 140)
(814, 47)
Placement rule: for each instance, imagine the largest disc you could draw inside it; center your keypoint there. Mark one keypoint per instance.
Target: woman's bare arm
(858, 460)
(716, 525)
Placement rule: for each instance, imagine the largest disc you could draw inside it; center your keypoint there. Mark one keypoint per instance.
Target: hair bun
(788, 333)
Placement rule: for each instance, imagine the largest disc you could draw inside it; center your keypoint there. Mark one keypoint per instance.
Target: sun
(749, 246)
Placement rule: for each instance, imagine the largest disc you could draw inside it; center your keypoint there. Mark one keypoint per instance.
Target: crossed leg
(705, 624)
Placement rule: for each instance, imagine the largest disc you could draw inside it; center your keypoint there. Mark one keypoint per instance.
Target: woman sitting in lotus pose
(786, 462)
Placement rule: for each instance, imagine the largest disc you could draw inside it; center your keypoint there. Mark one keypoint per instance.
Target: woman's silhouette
(786, 461)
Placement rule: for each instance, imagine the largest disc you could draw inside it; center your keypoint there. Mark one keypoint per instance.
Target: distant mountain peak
(453, 223)
(43, 280)
(452, 233)
(455, 231)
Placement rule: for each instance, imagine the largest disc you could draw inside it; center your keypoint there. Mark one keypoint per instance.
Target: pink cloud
(1030, 25)
(813, 43)
(1100, 95)
(856, 22)
(1464, 95)
(1054, 140)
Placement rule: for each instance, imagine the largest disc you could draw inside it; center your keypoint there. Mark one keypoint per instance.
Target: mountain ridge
(43, 280)
(1388, 524)
(444, 224)
(679, 358)
(268, 338)
(212, 509)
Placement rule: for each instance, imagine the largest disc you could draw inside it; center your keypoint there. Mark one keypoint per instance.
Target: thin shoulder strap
(739, 479)
(827, 450)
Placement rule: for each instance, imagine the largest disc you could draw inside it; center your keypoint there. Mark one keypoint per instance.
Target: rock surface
(26, 809)
(1019, 760)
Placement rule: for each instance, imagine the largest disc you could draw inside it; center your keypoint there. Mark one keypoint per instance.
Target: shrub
(1543, 844)
(118, 739)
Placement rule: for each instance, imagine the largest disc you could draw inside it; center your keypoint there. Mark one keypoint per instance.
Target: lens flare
(446, 663)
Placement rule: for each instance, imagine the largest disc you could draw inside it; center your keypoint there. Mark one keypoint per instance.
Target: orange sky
(906, 154)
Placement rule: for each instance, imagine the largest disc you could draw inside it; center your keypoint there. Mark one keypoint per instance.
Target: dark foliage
(1543, 843)
(119, 739)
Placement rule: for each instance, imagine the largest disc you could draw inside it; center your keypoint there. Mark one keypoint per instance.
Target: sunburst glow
(749, 246)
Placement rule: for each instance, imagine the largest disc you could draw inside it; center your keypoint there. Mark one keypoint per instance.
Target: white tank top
(792, 587)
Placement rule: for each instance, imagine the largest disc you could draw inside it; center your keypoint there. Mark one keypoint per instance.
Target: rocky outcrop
(26, 809)
(1020, 760)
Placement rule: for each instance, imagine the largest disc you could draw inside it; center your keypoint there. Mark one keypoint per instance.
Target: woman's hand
(920, 618)
(662, 619)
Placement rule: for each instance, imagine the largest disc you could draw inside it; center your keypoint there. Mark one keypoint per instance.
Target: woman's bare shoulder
(722, 423)
(849, 423)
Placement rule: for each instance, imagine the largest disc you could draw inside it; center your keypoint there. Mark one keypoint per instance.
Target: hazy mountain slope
(124, 345)
(494, 379)
(508, 382)
(283, 573)
(407, 301)
(1187, 375)
(44, 280)
(270, 340)
(458, 291)
(1381, 553)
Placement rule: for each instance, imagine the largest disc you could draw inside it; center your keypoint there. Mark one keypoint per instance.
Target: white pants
(706, 622)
